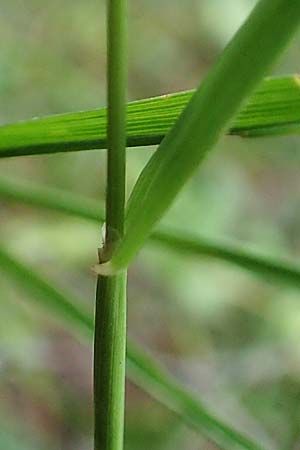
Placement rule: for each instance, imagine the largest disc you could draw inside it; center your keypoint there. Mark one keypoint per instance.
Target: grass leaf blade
(59, 303)
(274, 109)
(270, 269)
(204, 119)
(144, 370)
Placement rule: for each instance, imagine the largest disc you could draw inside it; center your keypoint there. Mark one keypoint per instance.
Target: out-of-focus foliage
(230, 337)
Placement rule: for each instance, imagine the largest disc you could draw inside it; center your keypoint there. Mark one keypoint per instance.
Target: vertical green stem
(110, 320)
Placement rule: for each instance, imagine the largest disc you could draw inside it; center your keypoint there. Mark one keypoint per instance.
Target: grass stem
(110, 315)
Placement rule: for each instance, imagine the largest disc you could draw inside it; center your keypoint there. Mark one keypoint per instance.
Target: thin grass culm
(110, 315)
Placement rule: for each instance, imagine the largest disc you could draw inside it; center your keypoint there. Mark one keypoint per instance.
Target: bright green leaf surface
(274, 109)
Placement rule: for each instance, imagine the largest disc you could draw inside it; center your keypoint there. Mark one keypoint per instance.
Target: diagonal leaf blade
(273, 270)
(203, 121)
(61, 304)
(274, 109)
(164, 388)
(143, 370)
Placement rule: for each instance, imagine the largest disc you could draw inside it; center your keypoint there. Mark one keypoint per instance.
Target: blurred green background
(230, 337)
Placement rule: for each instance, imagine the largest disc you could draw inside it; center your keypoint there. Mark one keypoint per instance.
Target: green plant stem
(110, 314)
(109, 362)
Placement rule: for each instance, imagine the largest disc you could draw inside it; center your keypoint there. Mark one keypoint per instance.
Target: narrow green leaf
(270, 269)
(274, 109)
(239, 69)
(50, 198)
(148, 374)
(144, 371)
(61, 304)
